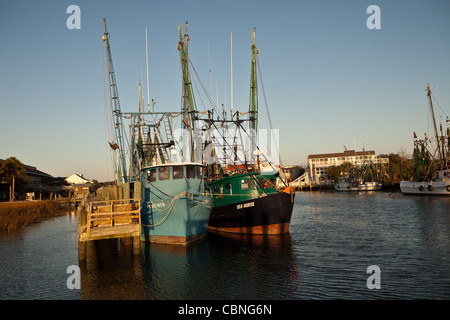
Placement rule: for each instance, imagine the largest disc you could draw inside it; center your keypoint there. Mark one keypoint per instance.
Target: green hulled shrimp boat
(246, 199)
(249, 203)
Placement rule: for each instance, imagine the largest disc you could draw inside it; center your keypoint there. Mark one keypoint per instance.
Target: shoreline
(18, 215)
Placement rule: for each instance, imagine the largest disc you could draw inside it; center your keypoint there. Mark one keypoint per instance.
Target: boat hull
(346, 186)
(265, 215)
(435, 188)
(173, 211)
(183, 221)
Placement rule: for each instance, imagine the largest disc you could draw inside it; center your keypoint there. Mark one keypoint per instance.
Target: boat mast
(115, 107)
(440, 146)
(231, 62)
(188, 106)
(253, 107)
(146, 60)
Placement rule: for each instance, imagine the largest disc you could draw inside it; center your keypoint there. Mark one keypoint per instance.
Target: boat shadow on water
(219, 266)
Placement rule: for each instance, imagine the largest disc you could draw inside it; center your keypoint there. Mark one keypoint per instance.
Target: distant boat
(431, 161)
(356, 185)
(358, 179)
(439, 186)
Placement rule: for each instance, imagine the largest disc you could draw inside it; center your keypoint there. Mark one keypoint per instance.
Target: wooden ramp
(108, 220)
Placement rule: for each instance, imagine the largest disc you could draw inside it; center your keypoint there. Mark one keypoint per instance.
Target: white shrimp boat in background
(438, 186)
(356, 185)
(431, 161)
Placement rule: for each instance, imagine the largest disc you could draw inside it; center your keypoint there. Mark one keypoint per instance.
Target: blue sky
(328, 79)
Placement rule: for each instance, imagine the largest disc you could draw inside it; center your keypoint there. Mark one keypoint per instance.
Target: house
(36, 179)
(77, 179)
(80, 190)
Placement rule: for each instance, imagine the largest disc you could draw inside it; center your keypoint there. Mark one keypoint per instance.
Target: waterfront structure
(33, 181)
(76, 179)
(316, 173)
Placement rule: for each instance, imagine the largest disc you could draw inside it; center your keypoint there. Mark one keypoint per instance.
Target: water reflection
(332, 240)
(218, 267)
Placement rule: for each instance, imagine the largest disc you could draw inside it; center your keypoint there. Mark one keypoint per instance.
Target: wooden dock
(109, 219)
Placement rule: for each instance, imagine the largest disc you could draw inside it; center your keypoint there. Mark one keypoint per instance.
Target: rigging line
(266, 158)
(200, 97)
(254, 178)
(203, 87)
(435, 100)
(267, 107)
(220, 137)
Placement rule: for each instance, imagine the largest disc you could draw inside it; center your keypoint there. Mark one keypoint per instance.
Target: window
(164, 173)
(178, 172)
(246, 184)
(190, 172)
(261, 182)
(151, 175)
(198, 171)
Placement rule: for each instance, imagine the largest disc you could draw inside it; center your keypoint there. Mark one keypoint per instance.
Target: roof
(173, 164)
(76, 179)
(348, 153)
(32, 171)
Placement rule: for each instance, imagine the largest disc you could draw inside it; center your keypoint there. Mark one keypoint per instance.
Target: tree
(12, 168)
(400, 167)
(334, 173)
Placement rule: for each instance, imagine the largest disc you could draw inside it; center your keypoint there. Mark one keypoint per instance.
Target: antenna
(439, 110)
(217, 94)
(146, 57)
(210, 81)
(231, 41)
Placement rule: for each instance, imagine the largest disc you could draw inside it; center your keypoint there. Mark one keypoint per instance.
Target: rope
(236, 194)
(169, 211)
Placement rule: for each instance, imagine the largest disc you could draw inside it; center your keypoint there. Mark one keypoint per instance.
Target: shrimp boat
(174, 207)
(431, 161)
(348, 184)
(245, 197)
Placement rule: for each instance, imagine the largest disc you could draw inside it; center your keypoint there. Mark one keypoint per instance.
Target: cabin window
(246, 184)
(164, 173)
(198, 171)
(272, 183)
(190, 172)
(151, 175)
(178, 172)
(227, 187)
(261, 182)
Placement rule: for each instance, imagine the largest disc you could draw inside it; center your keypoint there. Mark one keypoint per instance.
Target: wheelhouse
(242, 187)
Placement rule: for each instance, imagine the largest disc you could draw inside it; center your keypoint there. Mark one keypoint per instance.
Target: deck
(108, 220)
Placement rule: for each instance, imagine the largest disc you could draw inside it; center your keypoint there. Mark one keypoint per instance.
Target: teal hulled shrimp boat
(174, 207)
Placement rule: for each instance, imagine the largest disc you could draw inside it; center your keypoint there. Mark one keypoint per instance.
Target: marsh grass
(14, 216)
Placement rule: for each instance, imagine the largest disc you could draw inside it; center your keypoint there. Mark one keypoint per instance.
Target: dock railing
(112, 213)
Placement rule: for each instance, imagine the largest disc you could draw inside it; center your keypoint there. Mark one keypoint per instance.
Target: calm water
(333, 239)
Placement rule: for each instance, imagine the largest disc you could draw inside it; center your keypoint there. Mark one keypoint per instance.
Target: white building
(76, 179)
(318, 164)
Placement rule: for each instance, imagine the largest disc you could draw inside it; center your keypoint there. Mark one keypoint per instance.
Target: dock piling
(108, 220)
